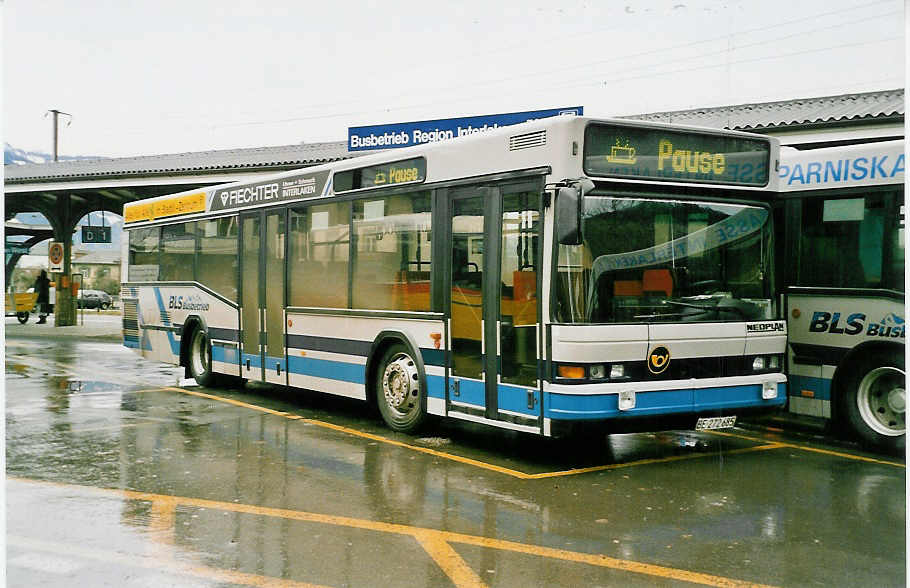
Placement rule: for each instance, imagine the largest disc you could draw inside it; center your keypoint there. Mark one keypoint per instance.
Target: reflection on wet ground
(212, 486)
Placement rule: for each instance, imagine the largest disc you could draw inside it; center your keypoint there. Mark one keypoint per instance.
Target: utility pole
(56, 114)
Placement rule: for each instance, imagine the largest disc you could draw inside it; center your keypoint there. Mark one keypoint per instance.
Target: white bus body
(441, 289)
(842, 213)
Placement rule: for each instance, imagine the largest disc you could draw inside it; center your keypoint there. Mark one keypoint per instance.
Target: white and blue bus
(842, 269)
(541, 277)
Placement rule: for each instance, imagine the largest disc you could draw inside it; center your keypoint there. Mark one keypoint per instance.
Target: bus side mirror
(568, 216)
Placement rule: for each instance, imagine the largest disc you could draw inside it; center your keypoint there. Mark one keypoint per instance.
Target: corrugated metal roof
(282, 157)
(843, 108)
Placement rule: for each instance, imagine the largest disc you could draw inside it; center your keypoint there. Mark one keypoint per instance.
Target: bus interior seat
(657, 282)
(627, 288)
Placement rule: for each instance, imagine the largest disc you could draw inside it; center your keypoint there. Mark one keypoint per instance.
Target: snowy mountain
(13, 156)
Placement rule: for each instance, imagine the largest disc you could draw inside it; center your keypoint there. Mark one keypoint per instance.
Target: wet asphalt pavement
(121, 473)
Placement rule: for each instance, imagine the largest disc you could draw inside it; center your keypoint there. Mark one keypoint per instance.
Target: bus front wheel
(399, 392)
(874, 402)
(200, 358)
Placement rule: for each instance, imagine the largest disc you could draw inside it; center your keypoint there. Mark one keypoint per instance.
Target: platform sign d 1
(55, 257)
(96, 234)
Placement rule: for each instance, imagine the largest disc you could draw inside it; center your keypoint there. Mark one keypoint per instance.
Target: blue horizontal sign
(408, 134)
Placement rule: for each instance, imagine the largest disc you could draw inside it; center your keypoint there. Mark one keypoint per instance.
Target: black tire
(400, 390)
(872, 401)
(105, 306)
(199, 358)
(22, 317)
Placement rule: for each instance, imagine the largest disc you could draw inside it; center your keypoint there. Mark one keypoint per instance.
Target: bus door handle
(455, 387)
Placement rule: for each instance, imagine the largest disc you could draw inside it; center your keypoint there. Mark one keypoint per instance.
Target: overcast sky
(170, 76)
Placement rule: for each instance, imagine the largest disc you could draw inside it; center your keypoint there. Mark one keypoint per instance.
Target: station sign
(16, 248)
(684, 156)
(55, 256)
(96, 234)
(408, 134)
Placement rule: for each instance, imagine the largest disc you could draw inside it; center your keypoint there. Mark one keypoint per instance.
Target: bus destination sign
(408, 171)
(660, 154)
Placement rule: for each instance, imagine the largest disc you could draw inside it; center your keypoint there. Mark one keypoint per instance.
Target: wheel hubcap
(400, 385)
(200, 354)
(882, 401)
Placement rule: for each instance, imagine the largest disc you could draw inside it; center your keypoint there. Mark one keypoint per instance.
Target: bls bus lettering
(825, 321)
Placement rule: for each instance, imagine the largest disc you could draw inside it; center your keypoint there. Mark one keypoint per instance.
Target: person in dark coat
(42, 287)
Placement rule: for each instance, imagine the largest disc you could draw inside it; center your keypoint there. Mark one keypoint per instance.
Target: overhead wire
(562, 69)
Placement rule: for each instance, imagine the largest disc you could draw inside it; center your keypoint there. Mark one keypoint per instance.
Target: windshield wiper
(704, 308)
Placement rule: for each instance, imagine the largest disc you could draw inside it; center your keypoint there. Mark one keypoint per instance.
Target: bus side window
(842, 242)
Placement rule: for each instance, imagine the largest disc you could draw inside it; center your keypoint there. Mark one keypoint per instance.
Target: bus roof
(500, 150)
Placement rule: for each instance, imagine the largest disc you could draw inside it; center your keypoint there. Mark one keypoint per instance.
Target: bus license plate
(708, 423)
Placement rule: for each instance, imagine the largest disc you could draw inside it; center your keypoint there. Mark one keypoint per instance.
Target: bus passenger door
(493, 304)
(263, 354)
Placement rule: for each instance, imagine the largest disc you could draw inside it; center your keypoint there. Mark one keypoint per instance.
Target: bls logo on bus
(190, 302)
(891, 325)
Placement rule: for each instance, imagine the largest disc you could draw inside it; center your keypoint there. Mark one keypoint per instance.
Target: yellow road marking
(448, 559)
(154, 562)
(522, 475)
(431, 539)
(852, 456)
(355, 432)
(600, 560)
(640, 462)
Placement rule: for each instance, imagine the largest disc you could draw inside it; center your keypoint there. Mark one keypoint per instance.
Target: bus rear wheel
(200, 358)
(874, 402)
(399, 392)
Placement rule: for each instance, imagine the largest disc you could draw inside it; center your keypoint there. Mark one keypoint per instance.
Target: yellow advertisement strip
(184, 204)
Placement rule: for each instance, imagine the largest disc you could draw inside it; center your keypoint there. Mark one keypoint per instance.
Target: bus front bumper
(655, 399)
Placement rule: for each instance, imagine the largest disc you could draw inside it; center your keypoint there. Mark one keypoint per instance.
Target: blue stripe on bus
(330, 370)
(436, 386)
(470, 392)
(271, 362)
(817, 388)
(515, 399)
(175, 345)
(254, 358)
(225, 354)
(603, 406)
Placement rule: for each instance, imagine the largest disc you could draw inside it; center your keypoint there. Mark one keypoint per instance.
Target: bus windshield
(646, 260)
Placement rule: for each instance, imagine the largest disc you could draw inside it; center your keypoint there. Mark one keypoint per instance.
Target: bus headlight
(617, 371)
(571, 372)
(598, 371)
(767, 363)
